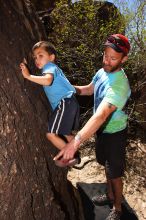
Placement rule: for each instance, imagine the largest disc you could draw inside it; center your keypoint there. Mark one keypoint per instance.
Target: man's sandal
(102, 200)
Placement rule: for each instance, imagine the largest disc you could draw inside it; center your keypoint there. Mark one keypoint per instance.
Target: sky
(116, 2)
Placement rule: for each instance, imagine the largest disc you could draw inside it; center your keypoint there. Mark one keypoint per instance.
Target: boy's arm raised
(41, 80)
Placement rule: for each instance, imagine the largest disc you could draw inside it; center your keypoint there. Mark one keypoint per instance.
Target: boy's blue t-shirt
(60, 87)
(112, 88)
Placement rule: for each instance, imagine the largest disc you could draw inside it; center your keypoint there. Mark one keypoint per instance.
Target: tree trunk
(31, 186)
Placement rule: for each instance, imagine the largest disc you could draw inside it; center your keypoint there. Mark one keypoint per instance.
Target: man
(111, 92)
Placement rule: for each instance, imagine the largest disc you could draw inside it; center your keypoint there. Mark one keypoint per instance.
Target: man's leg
(117, 186)
(110, 190)
(114, 190)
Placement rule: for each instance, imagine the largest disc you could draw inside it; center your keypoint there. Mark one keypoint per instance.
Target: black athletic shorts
(65, 118)
(110, 151)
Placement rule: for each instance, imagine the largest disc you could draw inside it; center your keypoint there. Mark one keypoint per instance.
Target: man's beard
(111, 69)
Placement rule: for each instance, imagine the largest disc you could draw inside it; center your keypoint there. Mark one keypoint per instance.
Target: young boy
(60, 93)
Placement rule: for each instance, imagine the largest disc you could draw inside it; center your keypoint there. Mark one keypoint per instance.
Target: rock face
(31, 187)
(45, 4)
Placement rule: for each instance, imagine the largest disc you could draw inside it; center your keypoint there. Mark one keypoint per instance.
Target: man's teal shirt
(112, 88)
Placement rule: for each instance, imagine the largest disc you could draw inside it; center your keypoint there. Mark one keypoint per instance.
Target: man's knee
(114, 171)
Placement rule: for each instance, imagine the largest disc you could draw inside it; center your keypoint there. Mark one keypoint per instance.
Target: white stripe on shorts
(61, 116)
(57, 115)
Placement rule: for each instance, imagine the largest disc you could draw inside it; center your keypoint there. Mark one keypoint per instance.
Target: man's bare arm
(85, 90)
(97, 120)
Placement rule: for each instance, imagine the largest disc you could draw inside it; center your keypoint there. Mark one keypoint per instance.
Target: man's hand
(67, 152)
(24, 70)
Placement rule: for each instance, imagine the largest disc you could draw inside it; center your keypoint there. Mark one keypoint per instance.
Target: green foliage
(136, 65)
(79, 32)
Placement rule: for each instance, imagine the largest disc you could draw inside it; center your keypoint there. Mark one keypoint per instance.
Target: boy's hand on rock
(24, 70)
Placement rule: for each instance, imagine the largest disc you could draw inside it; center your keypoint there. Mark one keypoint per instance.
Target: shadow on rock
(92, 212)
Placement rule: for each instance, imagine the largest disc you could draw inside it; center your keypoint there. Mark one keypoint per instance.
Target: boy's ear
(125, 58)
(52, 57)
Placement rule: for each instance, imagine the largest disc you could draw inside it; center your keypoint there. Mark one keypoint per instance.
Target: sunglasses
(116, 41)
(120, 44)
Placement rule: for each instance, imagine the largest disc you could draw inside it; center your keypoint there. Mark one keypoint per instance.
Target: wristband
(78, 138)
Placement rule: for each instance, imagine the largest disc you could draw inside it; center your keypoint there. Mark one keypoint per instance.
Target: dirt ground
(135, 176)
